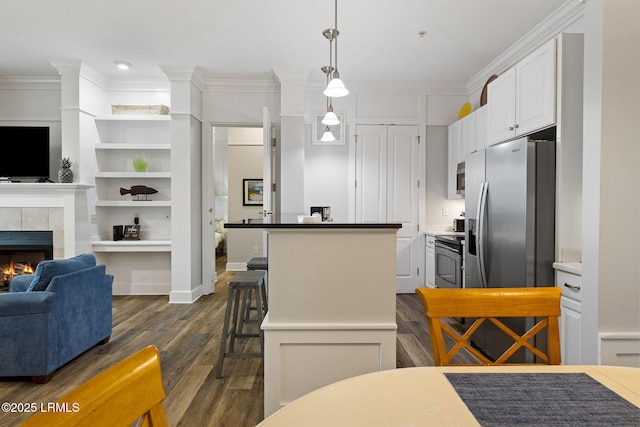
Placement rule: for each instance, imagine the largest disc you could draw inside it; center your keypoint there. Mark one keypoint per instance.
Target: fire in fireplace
(21, 251)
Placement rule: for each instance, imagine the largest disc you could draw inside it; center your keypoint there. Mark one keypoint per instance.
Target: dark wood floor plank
(188, 337)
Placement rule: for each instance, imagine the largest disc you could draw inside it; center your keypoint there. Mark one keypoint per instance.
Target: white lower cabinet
(570, 325)
(430, 261)
(570, 321)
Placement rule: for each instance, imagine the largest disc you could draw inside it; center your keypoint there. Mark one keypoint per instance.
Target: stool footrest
(242, 355)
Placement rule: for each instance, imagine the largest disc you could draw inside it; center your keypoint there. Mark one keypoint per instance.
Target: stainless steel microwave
(460, 179)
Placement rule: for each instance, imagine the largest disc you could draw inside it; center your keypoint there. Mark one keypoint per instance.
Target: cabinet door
(430, 262)
(454, 157)
(481, 128)
(536, 89)
(501, 100)
(469, 134)
(570, 331)
(371, 166)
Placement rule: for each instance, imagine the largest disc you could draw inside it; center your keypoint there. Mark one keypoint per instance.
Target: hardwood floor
(188, 339)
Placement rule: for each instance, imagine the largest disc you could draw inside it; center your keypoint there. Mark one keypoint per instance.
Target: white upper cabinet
(481, 128)
(523, 99)
(469, 133)
(474, 131)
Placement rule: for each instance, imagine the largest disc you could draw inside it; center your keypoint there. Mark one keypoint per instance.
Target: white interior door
(267, 173)
(387, 171)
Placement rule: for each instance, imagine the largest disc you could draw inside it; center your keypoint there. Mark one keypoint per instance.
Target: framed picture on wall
(319, 129)
(252, 192)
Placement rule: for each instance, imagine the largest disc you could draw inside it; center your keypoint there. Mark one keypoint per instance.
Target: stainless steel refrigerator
(510, 217)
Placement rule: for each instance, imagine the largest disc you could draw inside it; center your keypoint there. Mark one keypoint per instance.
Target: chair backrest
(490, 304)
(128, 391)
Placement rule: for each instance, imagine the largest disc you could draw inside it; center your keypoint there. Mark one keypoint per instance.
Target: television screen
(25, 152)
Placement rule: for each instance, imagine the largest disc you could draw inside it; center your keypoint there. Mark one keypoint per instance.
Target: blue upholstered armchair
(54, 315)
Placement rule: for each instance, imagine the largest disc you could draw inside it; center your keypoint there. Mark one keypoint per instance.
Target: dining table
(473, 395)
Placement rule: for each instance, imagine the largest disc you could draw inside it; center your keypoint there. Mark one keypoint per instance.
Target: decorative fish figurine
(136, 190)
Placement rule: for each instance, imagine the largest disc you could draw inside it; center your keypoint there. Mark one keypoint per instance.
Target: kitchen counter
(288, 223)
(332, 304)
(569, 267)
(440, 232)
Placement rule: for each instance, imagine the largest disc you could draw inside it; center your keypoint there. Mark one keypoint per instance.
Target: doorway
(237, 157)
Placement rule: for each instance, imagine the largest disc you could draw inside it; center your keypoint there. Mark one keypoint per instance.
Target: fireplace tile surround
(34, 219)
(59, 208)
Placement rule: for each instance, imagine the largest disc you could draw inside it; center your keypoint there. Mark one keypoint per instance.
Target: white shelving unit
(121, 138)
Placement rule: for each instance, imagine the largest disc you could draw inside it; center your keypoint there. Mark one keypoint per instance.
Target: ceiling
(379, 40)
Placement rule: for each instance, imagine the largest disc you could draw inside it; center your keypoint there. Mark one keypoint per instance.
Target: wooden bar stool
(258, 263)
(241, 287)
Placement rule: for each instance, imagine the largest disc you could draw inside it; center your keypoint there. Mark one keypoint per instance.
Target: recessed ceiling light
(122, 65)
(422, 33)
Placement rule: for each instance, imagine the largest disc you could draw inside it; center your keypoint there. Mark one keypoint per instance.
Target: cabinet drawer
(570, 283)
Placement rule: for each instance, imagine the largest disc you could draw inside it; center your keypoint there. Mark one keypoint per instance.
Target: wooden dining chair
(129, 391)
(490, 304)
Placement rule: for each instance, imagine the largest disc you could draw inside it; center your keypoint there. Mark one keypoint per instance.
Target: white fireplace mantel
(72, 198)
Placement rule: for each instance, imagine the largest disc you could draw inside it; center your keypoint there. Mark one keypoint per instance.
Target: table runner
(542, 399)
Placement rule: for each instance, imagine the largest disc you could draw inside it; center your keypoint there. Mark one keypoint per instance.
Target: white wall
(611, 271)
(436, 179)
(31, 103)
(244, 161)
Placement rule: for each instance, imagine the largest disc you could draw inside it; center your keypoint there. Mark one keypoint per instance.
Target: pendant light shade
(335, 88)
(327, 136)
(330, 119)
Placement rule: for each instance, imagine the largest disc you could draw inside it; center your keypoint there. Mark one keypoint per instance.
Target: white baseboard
(185, 297)
(141, 288)
(619, 348)
(236, 266)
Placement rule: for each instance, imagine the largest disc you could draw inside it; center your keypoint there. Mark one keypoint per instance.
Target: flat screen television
(25, 152)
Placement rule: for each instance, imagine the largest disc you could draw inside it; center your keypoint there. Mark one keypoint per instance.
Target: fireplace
(21, 251)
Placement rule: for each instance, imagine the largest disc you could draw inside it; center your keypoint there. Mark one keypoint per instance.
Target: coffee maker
(324, 211)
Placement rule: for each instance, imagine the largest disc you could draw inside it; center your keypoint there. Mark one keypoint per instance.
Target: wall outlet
(445, 212)
(93, 218)
(255, 250)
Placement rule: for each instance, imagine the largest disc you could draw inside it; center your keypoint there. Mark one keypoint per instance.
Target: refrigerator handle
(481, 215)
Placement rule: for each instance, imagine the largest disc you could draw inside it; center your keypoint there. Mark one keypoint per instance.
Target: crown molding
(561, 18)
(139, 85)
(242, 86)
(29, 83)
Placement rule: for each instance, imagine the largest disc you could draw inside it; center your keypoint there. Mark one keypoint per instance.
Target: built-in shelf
(125, 146)
(131, 246)
(121, 137)
(134, 203)
(134, 175)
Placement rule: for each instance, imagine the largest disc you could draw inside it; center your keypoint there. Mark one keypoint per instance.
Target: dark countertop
(260, 223)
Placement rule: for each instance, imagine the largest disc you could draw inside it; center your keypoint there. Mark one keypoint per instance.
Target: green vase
(139, 163)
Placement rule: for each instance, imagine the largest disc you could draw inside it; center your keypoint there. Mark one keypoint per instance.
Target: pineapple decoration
(65, 174)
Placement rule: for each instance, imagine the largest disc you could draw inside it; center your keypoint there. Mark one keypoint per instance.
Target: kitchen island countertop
(260, 223)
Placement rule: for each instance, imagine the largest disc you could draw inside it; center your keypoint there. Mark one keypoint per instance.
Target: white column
(186, 211)
(293, 84)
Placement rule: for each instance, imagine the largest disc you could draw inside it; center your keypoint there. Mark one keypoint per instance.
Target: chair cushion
(46, 270)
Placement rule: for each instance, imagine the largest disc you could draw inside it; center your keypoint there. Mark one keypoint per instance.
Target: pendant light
(335, 88)
(327, 136)
(330, 119)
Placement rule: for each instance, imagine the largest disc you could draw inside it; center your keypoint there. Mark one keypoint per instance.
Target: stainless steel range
(449, 268)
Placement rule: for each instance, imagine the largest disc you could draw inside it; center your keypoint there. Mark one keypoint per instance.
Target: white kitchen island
(332, 305)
